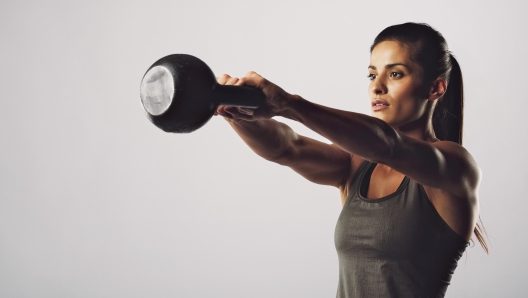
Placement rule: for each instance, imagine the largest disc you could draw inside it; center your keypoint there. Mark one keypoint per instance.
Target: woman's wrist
(290, 108)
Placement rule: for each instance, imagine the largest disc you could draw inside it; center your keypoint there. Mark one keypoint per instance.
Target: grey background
(97, 202)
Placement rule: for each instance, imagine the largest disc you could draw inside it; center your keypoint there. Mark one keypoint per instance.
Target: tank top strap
(356, 181)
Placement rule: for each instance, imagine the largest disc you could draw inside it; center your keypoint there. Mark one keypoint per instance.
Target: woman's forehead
(389, 53)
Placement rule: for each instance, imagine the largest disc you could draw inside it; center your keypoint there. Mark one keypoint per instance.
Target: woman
(409, 189)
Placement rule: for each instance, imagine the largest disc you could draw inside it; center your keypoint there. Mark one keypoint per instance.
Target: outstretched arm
(275, 141)
(443, 165)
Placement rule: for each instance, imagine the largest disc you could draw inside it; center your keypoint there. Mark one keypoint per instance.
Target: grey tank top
(394, 246)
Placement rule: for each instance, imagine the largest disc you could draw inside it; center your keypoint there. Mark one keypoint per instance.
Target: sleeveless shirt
(394, 246)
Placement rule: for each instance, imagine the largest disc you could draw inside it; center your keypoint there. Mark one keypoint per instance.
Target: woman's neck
(421, 129)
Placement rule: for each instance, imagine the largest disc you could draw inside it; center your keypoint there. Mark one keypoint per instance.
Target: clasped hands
(276, 98)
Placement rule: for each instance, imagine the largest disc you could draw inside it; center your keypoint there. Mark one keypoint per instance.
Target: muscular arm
(443, 165)
(275, 141)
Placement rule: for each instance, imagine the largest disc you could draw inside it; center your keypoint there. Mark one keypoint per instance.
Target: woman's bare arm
(275, 141)
(443, 165)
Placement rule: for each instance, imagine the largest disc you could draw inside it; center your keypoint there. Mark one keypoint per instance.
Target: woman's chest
(397, 227)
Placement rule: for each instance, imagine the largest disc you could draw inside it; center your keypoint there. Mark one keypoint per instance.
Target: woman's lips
(378, 105)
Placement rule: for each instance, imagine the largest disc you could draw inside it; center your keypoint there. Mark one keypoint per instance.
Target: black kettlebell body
(180, 94)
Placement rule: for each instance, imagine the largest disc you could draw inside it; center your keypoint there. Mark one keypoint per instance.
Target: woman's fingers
(222, 79)
(252, 79)
(252, 74)
(232, 81)
(235, 113)
(246, 111)
(232, 112)
(220, 111)
(226, 79)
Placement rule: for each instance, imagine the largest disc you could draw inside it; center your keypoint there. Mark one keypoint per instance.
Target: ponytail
(448, 116)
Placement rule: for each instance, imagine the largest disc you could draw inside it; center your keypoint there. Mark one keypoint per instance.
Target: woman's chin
(381, 116)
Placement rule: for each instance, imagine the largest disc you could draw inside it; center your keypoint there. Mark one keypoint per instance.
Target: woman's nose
(378, 87)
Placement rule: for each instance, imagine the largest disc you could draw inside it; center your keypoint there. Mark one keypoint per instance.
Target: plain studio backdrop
(95, 201)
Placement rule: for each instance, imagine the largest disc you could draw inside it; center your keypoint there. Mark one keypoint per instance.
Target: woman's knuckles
(251, 74)
(232, 81)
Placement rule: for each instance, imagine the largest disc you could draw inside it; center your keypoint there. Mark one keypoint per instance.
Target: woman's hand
(276, 98)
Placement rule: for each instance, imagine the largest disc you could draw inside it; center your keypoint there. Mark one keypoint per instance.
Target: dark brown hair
(429, 49)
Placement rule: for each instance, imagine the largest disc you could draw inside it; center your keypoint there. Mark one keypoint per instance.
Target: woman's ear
(438, 88)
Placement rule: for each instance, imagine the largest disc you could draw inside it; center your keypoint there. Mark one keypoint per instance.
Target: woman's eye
(371, 76)
(396, 74)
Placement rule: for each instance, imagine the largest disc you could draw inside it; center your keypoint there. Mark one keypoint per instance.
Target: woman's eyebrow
(389, 66)
(396, 64)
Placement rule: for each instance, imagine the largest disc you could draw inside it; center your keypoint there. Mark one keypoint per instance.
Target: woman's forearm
(358, 134)
(269, 139)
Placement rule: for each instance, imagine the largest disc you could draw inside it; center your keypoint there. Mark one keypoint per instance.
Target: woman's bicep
(318, 162)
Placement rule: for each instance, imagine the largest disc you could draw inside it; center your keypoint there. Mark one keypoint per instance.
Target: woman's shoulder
(460, 160)
(459, 209)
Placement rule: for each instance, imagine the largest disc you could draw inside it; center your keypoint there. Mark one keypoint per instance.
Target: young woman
(409, 189)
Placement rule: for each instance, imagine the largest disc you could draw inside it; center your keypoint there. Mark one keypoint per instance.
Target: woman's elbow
(385, 146)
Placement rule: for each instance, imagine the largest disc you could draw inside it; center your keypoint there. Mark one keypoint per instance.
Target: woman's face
(397, 90)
